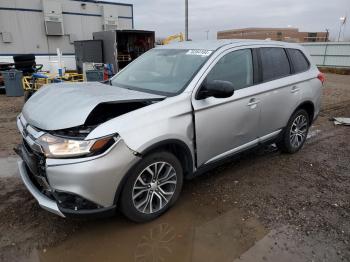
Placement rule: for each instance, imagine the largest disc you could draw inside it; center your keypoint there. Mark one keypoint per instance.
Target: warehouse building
(41, 26)
(278, 34)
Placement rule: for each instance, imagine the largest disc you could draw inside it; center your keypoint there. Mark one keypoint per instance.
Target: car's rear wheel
(152, 186)
(295, 133)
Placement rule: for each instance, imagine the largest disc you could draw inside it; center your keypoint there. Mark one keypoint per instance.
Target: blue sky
(166, 17)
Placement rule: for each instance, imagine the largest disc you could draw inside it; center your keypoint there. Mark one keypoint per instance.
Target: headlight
(59, 147)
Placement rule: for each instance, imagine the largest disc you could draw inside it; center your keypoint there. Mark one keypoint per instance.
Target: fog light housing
(74, 202)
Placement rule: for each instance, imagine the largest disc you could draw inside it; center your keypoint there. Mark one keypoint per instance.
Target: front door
(227, 125)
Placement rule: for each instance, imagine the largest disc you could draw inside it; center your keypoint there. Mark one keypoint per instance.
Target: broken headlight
(60, 147)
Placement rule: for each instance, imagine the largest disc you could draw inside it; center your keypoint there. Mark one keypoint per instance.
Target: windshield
(162, 71)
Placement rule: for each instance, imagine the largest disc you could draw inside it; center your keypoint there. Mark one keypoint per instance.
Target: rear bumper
(44, 201)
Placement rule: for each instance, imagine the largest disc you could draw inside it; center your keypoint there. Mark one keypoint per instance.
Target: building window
(312, 37)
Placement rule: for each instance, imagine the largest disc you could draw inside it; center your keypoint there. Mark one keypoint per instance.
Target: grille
(35, 165)
(28, 148)
(38, 159)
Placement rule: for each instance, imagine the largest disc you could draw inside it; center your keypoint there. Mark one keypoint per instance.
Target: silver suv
(89, 148)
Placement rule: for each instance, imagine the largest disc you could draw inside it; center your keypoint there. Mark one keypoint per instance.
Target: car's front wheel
(295, 133)
(152, 186)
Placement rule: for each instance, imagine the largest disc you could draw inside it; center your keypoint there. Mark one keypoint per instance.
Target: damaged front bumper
(75, 186)
(43, 200)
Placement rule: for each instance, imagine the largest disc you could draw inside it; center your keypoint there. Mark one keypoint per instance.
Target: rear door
(306, 75)
(280, 92)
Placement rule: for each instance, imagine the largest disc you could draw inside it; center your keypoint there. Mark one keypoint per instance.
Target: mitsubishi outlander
(89, 148)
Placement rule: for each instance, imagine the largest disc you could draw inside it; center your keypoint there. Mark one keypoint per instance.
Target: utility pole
(342, 23)
(339, 32)
(207, 34)
(326, 48)
(186, 20)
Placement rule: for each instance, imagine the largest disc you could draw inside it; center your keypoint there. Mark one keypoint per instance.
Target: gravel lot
(262, 206)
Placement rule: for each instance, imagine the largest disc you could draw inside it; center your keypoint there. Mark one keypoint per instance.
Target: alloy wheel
(154, 187)
(298, 131)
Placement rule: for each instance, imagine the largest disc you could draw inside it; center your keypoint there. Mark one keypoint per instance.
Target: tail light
(321, 77)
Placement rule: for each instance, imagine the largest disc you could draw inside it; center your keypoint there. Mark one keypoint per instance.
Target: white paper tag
(200, 52)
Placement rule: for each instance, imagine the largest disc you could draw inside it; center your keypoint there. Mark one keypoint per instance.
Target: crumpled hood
(66, 105)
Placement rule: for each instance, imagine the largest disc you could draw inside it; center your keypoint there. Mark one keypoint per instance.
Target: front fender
(140, 129)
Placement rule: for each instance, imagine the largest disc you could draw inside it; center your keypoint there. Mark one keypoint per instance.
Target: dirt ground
(262, 206)
(10, 107)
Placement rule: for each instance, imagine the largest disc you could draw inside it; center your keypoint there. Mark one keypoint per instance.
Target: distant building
(278, 34)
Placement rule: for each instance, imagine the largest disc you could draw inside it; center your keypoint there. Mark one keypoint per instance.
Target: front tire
(152, 187)
(295, 133)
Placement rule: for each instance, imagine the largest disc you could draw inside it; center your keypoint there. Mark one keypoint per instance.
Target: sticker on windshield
(199, 52)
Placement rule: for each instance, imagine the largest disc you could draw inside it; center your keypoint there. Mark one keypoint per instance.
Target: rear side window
(275, 63)
(299, 61)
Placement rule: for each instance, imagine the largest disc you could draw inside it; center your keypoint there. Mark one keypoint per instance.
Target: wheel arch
(309, 107)
(175, 146)
(179, 149)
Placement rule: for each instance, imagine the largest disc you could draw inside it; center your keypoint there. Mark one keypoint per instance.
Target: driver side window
(235, 67)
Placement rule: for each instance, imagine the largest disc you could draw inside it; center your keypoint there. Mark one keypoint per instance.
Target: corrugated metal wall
(24, 21)
(330, 54)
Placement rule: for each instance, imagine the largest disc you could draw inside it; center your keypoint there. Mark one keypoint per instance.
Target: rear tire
(153, 185)
(295, 133)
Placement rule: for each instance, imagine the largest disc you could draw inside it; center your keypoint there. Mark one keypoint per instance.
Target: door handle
(253, 102)
(295, 89)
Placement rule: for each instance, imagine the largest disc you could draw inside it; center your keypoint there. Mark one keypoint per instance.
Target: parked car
(89, 148)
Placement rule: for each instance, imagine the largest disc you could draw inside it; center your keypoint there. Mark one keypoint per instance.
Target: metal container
(95, 75)
(87, 51)
(13, 82)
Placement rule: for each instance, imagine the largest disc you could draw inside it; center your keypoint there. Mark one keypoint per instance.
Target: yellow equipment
(30, 85)
(171, 38)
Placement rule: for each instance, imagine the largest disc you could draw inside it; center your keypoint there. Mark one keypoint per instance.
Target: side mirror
(217, 89)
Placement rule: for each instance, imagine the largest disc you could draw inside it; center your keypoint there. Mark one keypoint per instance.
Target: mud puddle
(186, 233)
